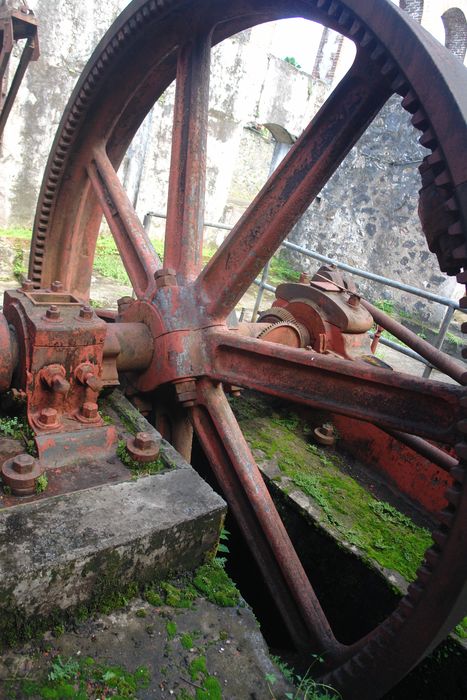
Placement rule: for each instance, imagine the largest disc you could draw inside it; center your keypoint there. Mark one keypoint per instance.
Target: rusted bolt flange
(27, 286)
(86, 313)
(124, 303)
(186, 392)
(47, 418)
(325, 434)
(21, 473)
(56, 286)
(89, 413)
(165, 277)
(144, 447)
(52, 313)
(54, 376)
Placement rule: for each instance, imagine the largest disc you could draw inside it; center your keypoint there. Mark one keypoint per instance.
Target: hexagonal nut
(166, 277)
(56, 286)
(48, 417)
(325, 434)
(144, 447)
(90, 411)
(86, 313)
(20, 474)
(23, 463)
(27, 286)
(52, 313)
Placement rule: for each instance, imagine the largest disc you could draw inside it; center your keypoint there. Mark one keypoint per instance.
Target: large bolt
(144, 447)
(166, 277)
(23, 464)
(86, 313)
(185, 390)
(90, 410)
(143, 441)
(20, 474)
(56, 286)
(48, 416)
(52, 313)
(353, 301)
(326, 434)
(27, 286)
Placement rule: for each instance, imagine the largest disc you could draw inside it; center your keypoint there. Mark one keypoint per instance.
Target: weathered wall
(68, 33)
(367, 213)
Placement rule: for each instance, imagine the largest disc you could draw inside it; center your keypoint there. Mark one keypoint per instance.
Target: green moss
(141, 613)
(187, 641)
(81, 679)
(376, 528)
(461, 629)
(197, 668)
(109, 594)
(42, 483)
(178, 597)
(171, 629)
(213, 582)
(153, 598)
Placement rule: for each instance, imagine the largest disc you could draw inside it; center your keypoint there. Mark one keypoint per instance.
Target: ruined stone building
(367, 214)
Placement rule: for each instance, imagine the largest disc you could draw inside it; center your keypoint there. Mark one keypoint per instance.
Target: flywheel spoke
(292, 187)
(185, 206)
(244, 488)
(389, 399)
(138, 255)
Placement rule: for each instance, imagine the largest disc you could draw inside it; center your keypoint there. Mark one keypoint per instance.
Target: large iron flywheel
(186, 308)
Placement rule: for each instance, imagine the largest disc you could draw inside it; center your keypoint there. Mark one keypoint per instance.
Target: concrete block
(64, 551)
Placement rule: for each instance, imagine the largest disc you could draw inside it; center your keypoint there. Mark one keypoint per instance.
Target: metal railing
(262, 283)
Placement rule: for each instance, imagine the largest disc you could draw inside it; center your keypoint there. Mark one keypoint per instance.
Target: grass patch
(281, 270)
(18, 232)
(376, 528)
(82, 679)
(461, 629)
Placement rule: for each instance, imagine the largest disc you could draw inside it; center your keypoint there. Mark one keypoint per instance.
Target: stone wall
(367, 213)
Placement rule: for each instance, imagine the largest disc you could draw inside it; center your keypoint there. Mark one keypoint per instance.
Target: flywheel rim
(67, 191)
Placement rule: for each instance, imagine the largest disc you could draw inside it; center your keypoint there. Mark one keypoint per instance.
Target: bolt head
(165, 278)
(90, 410)
(353, 300)
(27, 286)
(56, 286)
(144, 441)
(86, 312)
(23, 464)
(48, 416)
(53, 312)
(164, 271)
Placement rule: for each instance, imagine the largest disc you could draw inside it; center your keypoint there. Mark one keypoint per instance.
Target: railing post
(443, 329)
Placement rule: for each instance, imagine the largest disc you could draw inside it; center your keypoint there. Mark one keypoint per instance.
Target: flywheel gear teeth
(276, 312)
(303, 333)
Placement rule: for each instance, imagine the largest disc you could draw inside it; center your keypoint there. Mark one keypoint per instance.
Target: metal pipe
(445, 364)
(443, 329)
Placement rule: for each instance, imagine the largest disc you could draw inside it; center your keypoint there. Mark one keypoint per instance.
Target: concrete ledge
(62, 552)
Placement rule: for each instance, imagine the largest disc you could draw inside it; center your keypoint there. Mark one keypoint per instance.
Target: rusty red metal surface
(175, 344)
